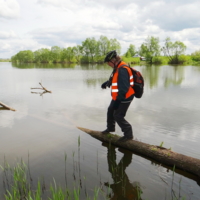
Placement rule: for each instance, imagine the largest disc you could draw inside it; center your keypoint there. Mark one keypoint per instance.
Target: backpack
(138, 82)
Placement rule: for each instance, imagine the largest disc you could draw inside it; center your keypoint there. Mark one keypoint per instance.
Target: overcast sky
(35, 24)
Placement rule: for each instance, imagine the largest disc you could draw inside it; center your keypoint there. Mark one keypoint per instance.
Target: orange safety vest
(114, 87)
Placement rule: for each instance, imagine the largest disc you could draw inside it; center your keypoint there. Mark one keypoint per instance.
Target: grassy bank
(131, 60)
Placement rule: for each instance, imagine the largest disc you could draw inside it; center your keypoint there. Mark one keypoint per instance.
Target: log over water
(7, 107)
(160, 154)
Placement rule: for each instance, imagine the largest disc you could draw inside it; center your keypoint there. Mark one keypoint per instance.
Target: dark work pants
(118, 116)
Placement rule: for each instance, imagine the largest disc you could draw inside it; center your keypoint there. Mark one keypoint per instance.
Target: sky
(35, 24)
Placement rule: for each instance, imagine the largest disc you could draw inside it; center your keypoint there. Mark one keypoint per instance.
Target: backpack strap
(114, 70)
(125, 66)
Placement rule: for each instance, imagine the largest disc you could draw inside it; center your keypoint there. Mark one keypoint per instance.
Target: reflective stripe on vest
(114, 87)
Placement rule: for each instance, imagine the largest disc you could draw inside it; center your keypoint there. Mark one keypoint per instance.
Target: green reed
(17, 186)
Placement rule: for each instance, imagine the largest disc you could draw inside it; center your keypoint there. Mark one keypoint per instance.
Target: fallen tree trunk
(160, 154)
(7, 107)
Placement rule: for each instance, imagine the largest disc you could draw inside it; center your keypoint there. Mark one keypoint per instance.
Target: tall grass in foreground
(17, 185)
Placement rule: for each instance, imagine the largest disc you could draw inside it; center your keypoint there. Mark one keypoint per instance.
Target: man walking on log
(122, 92)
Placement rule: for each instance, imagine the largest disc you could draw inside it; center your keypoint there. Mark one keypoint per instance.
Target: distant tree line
(5, 60)
(92, 50)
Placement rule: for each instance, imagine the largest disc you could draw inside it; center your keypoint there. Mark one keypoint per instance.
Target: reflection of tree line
(43, 65)
(178, 76)
(60, 65)
(174, 75)
(122, 188)
(151, 73)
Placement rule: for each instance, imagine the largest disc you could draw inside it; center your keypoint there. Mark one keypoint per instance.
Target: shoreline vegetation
(5, 60)
(94, 51)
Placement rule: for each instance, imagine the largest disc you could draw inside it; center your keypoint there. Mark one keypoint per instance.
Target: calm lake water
(44, 131)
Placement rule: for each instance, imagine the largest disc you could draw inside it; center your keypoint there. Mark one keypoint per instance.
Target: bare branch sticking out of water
(42, 88)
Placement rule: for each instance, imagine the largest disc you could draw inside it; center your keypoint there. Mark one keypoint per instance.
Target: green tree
(131, 51)
(13, 59)
(43, 55)
(173, 50)
(89, 48)
(23, 56)
(115, 45)
(77, 52)
(67, 54)
(128, 54)
(196, 56)
(150, 48)
(37, 56)
(28, 56)
(55, 54)
(103, 45)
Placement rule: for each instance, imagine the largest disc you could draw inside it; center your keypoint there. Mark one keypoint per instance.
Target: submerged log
(157, 153)
(7, 107)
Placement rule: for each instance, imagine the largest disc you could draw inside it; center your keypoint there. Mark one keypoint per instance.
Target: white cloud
(9, 9)
(173, 15)
(45, 23)
(7, 34)
(11, 47)
(107, 25)
(117, 4)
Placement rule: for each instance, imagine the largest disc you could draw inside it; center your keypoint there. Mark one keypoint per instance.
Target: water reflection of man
(122, 188)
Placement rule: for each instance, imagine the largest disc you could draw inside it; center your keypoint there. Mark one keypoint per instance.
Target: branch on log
(160, 154)
(42, 88)
(7, 107)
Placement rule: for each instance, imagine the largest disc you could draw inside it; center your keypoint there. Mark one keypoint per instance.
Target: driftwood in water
(160, 154)
(42, 88)
(7, 107)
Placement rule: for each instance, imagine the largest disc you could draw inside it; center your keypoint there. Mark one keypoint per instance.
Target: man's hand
(106, 84)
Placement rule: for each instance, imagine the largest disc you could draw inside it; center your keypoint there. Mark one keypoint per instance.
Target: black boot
(125, 138)
(108, 131)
